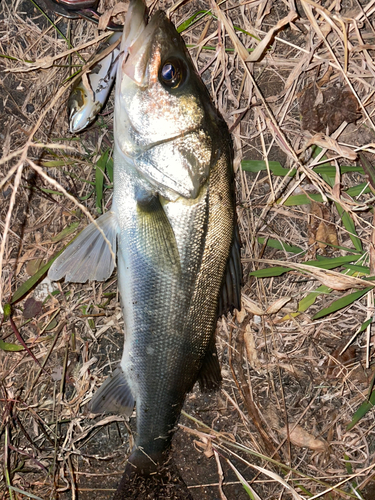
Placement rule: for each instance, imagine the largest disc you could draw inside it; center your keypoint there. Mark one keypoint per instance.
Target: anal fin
(114, 395)
(88, 257)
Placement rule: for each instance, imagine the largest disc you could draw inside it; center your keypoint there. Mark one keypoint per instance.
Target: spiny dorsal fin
(230, 297)
(88, 257)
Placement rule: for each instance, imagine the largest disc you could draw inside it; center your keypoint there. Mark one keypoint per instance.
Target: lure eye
(172, 73)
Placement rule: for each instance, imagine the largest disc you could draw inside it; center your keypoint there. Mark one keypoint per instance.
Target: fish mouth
(136, 63)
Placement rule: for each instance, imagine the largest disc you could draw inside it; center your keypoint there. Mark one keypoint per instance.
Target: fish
(174, 230)
(84, 104)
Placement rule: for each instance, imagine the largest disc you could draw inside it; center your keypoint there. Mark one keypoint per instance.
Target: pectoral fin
(156, 238)
(89, 256)
(114, 395)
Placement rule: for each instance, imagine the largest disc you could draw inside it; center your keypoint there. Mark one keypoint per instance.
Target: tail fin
(151, 479)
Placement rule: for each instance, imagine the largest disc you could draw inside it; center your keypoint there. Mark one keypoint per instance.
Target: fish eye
(172, 73)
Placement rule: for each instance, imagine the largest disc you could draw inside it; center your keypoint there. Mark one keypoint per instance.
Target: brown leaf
(32, 308)
(33, 266)
(327, 109)
(119, 8)
(337, 360)
(320, 230)
(251, 350)
(300, 437)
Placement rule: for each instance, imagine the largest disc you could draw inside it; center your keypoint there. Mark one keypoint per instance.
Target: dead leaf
(33, 266)
(105, 18)
(320, 230)
(263, 45)
(32, 308)
(322, 109)
(251, 350)
(337, 360)
(332, 279)
(300, 437)
(326, 142)
(252, 306)
(277, 305)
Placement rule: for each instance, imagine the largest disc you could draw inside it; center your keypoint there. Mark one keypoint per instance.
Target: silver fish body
(175, 206)
(173, 217)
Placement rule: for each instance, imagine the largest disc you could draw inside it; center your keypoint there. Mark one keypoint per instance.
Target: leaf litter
(294, 410)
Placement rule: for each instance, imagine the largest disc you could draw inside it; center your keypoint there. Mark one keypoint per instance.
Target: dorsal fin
(230, 297)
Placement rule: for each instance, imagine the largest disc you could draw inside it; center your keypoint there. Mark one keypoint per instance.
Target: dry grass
(288, 392)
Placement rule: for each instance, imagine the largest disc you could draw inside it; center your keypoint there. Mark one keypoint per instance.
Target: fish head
(166, 125)
(82, 108)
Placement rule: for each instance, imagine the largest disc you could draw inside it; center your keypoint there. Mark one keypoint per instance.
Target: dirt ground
(293, 377)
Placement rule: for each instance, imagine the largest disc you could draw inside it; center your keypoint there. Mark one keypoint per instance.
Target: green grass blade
(359, 189)
(325, 263)
(302, 199)
(358, 269)
(109, 169)
(269, 272)
(279, 245)
(10, 347)
(310, 299)
(350, 227)
(342, 302)
(361, 412)
(99, 179)
(65, 232)
(256, 166)
(28, 285)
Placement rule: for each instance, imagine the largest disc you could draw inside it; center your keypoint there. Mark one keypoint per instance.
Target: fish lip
(135, 63)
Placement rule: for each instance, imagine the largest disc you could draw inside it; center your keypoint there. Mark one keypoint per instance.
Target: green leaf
(269, 272)
(256, 166)
(322, 263)
(7, 311)
(331, 263)
(309, 300)
(281, 246)
(186, 24)
(330, 170)
(342, 302)
(109, 169)
(57, 163)
(365, 325)
(65, 232)
(359, 189)
(10, 347)
(28, 285)
(99, 179)
(350, 227)
(368, 169)
(361, 412)
(302, 199)
(358, 269)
